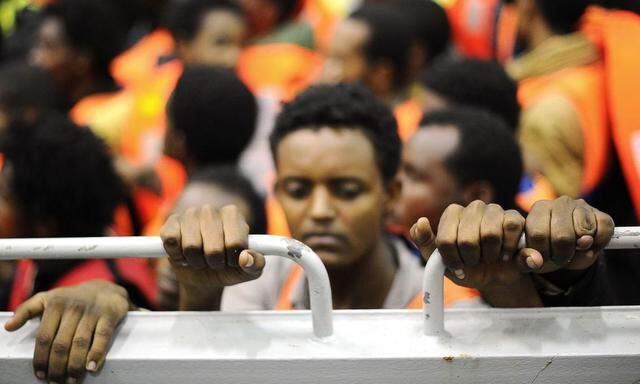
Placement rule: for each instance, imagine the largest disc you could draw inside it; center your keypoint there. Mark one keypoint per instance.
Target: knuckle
(43, 340)
(466, 245)
(512, 224)
(562, 239)
(540, 204)
(81, 342)
(538, 236)
(105, 332)
(445, 243)
(60, 349)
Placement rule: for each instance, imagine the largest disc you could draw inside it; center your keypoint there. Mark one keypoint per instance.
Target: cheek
(362, 221)
(419, 200)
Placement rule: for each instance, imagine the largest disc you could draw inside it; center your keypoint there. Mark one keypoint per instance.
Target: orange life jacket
(136, 64)
(408, 116)
(452, 292)
(134, 273)
(618, 34)
(279, 70)
(153, 208)
(483, 29)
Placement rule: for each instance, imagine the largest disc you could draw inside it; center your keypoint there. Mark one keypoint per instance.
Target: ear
(479, 190)
(393, 191)
(380, 78)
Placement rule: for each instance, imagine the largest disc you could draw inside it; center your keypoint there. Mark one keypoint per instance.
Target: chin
(334, 260)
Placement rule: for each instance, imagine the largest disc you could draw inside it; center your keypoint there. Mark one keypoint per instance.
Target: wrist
(193, 298)
(517, 293)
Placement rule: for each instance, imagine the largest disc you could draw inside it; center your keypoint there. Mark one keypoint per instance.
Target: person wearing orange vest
(569, 104)
(59, 181)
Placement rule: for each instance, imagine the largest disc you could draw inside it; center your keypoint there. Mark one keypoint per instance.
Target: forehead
(350, 34)
(327, 152)
(433, 144)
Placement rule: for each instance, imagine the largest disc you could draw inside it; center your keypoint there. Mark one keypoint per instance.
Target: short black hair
(390, 37)
(26, 86)
(216, 113)
(92, 26)
(288, 8)
(430, 22)
(487, 151)
(64, 175)
(477, 83)
(232, 180)
(563, 16)
(184, 17)
(350, 106)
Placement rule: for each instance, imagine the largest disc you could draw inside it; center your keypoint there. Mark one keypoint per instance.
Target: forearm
(520, 294)
(194, 299)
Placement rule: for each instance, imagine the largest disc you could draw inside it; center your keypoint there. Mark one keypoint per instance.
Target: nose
(321, 207)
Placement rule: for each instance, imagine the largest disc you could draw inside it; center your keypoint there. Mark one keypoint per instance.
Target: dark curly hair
(487, 151)
(477, 83)
(62, 174)
(563, 16)
(349, 106)
(216, 113)
(183, 18)
(92, 26)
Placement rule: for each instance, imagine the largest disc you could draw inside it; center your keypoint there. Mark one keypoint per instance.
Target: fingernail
(459, 274)
(72, 380)
(248, 259)
(531, 263)
(505, 256)
(41, 375)
(91, 366)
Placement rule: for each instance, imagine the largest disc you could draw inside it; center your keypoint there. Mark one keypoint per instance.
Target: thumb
(28, 310)
(423, 237)
(251, 262)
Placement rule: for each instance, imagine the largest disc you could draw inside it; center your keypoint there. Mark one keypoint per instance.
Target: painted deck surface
(594, 345)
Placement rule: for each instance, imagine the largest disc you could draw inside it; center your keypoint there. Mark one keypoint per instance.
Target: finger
(251, 262)
(562, 231)
(469, 233)
(80, 346)
(26, 311)
(44, 338)
(491, 233)
(192, 239)
(236, 233)
(529, 260)
(584, 223)
(423, 237)
(512, 227)
(537, 227)
(604, 231)
(170, 234)
(212, 237)
(447, 239)
(101, 340)
(59, 355)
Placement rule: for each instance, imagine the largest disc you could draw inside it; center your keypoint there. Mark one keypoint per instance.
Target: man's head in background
(76, 42)
(212, 117)
(337, 151)
(210, 32)
(26, 92)
(470, 82)
(264, 15)
(540, 19)
(457, 156)
(58, 180)
(432, 32)
(371, 47)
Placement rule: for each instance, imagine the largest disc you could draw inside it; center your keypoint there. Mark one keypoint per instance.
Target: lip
(322, 241)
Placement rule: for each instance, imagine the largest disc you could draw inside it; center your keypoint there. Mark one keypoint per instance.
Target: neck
(366, 284)
(539, 33)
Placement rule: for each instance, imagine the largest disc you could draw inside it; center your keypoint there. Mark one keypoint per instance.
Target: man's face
(427, 185)
(332, 192)
(53, 53)
(345, 60)
(219, 40)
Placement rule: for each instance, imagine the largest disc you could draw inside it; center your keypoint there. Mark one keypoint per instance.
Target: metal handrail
(433, 279)
(151, 247)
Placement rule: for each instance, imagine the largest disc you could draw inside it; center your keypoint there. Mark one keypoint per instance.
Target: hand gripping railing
(151, 247)
(433, 279)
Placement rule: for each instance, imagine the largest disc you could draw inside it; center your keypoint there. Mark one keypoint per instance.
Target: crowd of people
(373, 131)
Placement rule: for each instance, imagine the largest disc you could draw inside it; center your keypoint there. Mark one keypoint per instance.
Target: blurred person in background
(216, 186)
(276, 21)
(58, 181)
(571, 111)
